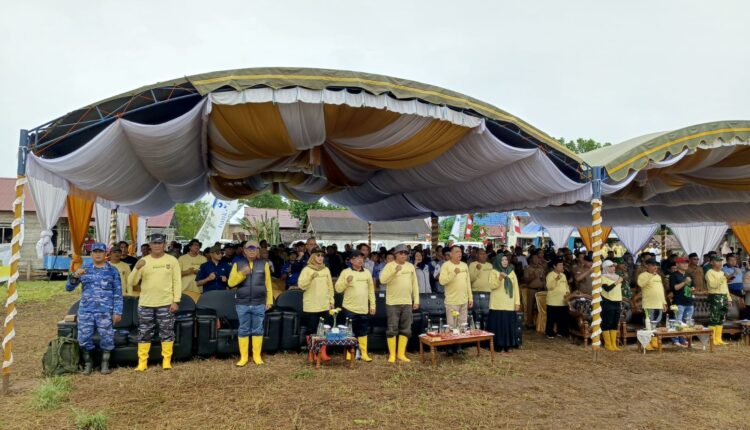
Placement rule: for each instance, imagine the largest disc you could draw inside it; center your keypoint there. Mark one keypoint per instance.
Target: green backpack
(62, 357)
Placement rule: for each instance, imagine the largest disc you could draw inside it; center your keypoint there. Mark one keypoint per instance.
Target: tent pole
(663, 242)
(369, 235)
(435, 233)
(596, 281)
(10, 304)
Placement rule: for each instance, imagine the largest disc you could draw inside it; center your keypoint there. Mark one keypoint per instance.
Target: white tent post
(596, 281)
(10, 304)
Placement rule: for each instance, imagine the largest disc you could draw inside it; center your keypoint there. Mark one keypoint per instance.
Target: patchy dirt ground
(550, 384)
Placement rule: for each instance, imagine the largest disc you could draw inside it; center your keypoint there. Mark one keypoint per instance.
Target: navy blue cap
(98, 246)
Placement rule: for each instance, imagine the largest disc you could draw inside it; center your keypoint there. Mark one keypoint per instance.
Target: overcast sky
(602, 70)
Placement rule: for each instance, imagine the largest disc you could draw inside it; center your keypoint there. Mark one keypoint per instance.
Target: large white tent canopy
(384, 147)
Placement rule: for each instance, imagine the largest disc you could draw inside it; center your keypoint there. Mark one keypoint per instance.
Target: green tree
(266, 199)
(580, 145)
(299, 209)
(189, 218)
(446, 226)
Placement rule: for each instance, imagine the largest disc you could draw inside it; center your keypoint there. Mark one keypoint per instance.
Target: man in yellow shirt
(123, 269)
(480, 272)
(161, 291)
(190, 263)
(251, 276)
(454, 277)
(359, 298)
(654, 302)
(401, 298)
(557, 305)
(719, 298)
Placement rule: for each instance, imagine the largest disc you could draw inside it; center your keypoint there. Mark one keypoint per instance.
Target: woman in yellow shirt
(654, 303)
(505, 301)
(359, 299)
(316, 282)
(611, 302)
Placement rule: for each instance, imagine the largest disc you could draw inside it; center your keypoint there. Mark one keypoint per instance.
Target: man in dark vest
(251, 276)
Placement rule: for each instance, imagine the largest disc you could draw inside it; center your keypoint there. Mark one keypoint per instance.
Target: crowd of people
(254, 269)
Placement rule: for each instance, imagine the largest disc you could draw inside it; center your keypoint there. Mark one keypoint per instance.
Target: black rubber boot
(88, 363)
(105, 363)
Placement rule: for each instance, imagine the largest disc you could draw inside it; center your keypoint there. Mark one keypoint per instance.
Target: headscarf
(311, 261)
(507, 270)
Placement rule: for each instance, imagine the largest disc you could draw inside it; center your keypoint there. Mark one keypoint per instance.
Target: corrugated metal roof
(161, 221)
(8, 195)
(325, 221)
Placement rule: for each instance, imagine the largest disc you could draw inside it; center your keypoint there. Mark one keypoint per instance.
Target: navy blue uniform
(101, 298)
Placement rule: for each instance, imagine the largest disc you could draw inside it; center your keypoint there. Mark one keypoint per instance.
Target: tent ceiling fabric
(385, 148)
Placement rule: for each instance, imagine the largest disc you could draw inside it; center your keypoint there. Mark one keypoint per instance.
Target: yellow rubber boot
(257, 347)
(652, 345)
(363, 348)
(244, 343)
(402, 340)
(607, 340)
(717, 335)
(613, 338)
(166, 355)
(143, 349)
(392, 349)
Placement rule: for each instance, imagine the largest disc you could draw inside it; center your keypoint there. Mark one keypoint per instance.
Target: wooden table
(661, 334)
(745, 332)
(477, 337)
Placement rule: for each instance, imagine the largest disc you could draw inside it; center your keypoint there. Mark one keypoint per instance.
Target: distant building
(341, 227)
(61, 231)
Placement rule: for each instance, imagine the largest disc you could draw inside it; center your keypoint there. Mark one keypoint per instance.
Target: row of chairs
(210, 327)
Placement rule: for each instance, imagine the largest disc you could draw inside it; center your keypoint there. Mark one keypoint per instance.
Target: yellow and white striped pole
(596, 275)
(434, 233)
(369, 235)
(9, 331)
(113, 229)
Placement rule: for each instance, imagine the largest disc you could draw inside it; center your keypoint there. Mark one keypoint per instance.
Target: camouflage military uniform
(101, 298)
(718, 305)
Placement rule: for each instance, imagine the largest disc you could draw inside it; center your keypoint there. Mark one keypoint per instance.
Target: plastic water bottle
(321, 328)
(429, 325)
(349, 328)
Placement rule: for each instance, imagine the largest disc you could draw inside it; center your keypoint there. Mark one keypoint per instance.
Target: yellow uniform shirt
(556, 289)
(480, 277)
(187, 261)
(457, 285)
(236, 277)
(402, 287)
(653, 291)
(499, 298)
(359, 295)
(124, 270)
(716, 283)
(615, 294)
(160, 281)
(318, 296)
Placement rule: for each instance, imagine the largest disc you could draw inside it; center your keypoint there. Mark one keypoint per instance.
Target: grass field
(547, 384)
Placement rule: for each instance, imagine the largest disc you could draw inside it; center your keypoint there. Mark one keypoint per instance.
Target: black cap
(652, 262)
(355, 254)
(157, 238)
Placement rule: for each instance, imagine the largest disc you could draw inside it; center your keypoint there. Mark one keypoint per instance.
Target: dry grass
(548, 384)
